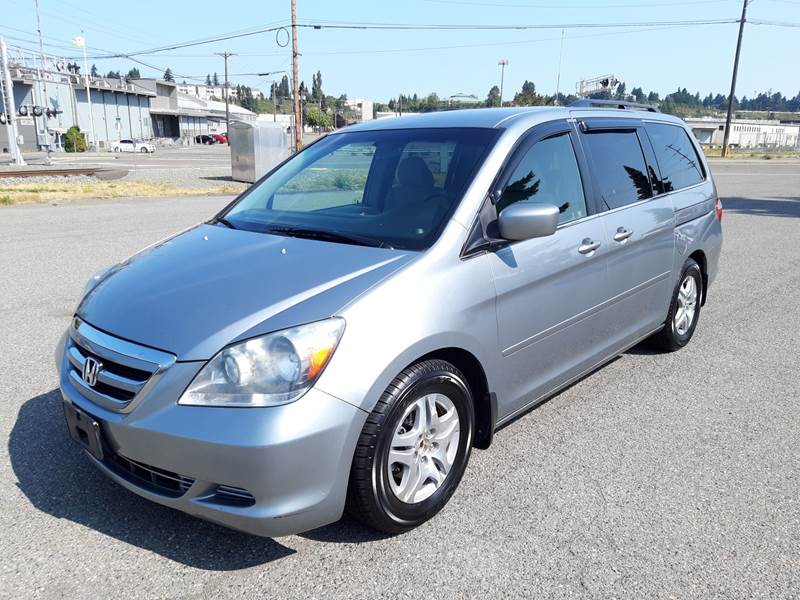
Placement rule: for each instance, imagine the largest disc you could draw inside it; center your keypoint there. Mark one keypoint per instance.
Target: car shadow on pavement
(58, 479)
(768, 207)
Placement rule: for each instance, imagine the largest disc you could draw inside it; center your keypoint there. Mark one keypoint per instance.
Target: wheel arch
(699, 257)
(484, 400)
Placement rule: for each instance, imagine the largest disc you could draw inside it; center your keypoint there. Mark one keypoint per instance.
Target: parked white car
(133, 146)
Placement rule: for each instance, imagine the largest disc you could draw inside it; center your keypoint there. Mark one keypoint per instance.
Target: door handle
(622, 234)
(588, 246)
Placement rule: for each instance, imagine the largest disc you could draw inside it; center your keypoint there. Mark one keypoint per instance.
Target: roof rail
(621, 104)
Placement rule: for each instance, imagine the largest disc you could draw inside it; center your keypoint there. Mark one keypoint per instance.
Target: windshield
(393, 188)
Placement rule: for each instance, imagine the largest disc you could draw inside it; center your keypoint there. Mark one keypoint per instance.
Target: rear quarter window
(676, 155)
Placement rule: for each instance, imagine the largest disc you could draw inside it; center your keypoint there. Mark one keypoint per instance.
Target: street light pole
(80, 41)
(727, 134)
(298, 115)
(502, 62)
(225, 55)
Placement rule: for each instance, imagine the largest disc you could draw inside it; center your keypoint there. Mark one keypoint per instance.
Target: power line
(488, 44)
(571, 6)
(196, 42)
(476, 27)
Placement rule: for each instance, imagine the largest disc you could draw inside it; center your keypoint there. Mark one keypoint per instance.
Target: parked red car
(220, 138)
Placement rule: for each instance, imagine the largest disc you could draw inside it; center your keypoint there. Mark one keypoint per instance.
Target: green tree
(94, 72)
(318, 119)
(168, 76)
(75, 142)
(638, 94)
(208, 79)
(133, 74)
(493, 99)
(621, 89)
(113, 75)
(215, 79)
(316, 87)
(528, 96)
(285, 92)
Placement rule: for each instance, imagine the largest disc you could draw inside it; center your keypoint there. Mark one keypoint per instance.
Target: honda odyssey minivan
(345, 331)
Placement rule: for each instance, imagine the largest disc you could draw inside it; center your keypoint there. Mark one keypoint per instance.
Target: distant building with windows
(177, 116)
(746, 133)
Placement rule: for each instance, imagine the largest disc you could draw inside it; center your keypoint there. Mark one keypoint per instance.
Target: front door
(549, 289)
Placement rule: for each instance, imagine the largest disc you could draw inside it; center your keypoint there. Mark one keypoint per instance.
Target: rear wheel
(684, 310)
(144, 151)
(413, 449)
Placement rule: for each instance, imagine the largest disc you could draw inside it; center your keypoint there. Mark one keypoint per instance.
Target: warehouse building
(180, 117)
(746, 133)
(120, 109)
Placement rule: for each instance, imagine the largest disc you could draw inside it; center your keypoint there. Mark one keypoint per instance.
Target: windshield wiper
(225, 222)
(329, 236)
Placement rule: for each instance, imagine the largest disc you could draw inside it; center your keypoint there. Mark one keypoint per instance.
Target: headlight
(274, 369)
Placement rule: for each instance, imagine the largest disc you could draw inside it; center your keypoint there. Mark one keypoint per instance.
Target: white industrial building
(120, 109)
(746, 133)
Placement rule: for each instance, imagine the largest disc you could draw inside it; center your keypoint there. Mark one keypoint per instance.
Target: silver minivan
(347, 330)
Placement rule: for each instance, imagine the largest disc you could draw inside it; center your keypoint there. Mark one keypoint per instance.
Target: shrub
(75, 141)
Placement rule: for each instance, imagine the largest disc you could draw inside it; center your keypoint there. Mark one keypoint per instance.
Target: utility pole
(225, 55)
(560, 57)
(727, 135)
(43, 76)
(298, 115)
(503, 62)
(10, 108)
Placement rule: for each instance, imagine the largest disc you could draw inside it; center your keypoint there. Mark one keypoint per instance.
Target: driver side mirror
(527, 220)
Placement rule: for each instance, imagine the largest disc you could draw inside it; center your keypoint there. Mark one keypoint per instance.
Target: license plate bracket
(84, 429)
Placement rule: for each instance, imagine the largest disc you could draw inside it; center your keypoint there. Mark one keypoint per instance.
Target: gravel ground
(47, 179)
(658, 476)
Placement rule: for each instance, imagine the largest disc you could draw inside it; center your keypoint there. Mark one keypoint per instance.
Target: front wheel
(684, 309)
(144, 150)
(413, 449)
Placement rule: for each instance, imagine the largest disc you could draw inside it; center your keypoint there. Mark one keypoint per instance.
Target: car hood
(197, 292)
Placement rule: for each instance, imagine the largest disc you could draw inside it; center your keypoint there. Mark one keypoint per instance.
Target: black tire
(370, 497)
(669, 338)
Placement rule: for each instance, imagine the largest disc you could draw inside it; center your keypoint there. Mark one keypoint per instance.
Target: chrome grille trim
(129, 370)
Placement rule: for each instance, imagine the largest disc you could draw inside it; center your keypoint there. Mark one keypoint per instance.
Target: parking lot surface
(661, 475)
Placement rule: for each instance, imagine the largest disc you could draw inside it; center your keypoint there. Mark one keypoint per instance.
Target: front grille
(125, 369)
(146, 476)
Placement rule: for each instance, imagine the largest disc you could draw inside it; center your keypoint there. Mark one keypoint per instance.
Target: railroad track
(53, 172)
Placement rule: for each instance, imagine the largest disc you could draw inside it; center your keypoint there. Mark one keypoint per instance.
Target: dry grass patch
(25, 192)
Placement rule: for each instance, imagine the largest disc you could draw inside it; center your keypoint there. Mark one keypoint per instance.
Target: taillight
(718, 209)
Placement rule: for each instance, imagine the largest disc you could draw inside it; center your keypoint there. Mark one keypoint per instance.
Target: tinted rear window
(619, 167)
(680, 166)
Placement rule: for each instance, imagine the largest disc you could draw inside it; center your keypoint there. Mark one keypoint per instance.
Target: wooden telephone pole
(727, 134)
(298, 115)
(226, 55)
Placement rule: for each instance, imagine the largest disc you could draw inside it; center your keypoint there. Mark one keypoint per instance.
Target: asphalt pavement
(659, 476)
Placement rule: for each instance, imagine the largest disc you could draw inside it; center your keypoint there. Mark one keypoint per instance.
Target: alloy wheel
(423, 448)
(687, 305)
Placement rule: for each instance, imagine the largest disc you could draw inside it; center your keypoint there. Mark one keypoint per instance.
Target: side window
(548, 173)
(337, 179)
(680, 166)
(619, 167)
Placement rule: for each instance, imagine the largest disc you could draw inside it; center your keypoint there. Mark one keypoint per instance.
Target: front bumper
(293, 460)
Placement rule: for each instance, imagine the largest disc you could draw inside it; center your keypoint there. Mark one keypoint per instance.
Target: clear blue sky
(381, 64)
